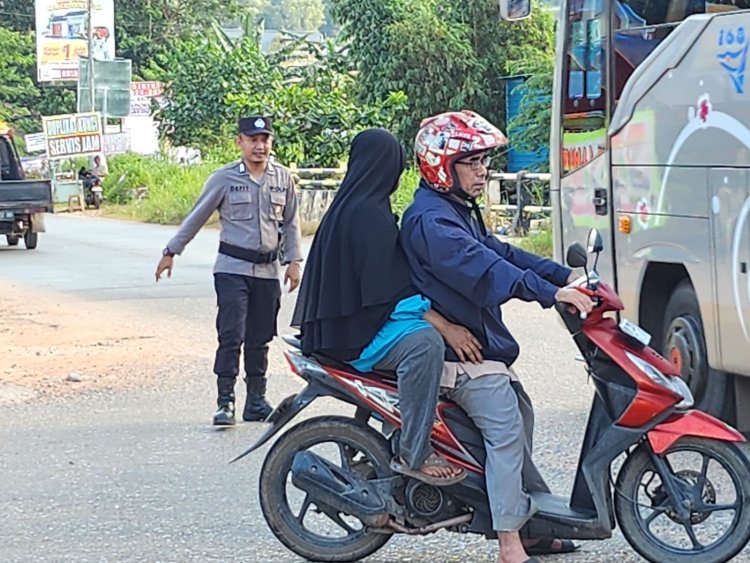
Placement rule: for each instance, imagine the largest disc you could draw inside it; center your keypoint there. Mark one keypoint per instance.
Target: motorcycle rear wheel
(677, 542)
(360, 448)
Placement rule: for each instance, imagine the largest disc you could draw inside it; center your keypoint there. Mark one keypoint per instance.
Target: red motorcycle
(670, 476)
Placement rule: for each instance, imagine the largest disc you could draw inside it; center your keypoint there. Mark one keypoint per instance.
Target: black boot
(224, 416)
(256, 406)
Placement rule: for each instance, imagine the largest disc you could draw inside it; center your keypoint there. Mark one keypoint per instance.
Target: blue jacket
(467, 276)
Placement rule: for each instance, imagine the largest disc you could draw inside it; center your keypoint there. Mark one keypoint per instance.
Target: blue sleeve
(451, 254)
(411, 307)
(548, 269)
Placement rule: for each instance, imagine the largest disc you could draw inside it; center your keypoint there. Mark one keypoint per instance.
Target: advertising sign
(73, 135)
(62, 36)
(141, 94)
(36, 142)
(116, 143)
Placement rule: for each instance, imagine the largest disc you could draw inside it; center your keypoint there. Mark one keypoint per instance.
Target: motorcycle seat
(377, 375)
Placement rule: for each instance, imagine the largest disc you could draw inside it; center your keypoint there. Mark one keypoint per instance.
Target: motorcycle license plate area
(635, 332)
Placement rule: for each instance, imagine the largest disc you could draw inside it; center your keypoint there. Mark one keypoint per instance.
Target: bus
(650, 144)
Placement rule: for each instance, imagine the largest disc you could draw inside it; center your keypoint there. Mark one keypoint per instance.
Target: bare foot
(511, 548)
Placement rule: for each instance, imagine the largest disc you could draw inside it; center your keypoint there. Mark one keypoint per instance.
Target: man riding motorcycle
(468, 274)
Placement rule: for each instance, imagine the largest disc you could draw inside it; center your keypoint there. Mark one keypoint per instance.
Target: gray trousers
(417, 360)
(497, 410)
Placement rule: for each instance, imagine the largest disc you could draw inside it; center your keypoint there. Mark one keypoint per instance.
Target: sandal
(545, 546)
(433, 460)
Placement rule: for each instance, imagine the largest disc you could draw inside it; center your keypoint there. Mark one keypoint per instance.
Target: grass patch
(539, 242)
(172, 188)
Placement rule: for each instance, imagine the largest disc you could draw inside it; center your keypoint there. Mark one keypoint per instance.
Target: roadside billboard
(141, 94)
(61, 36)
(36, 142)
(73, 135)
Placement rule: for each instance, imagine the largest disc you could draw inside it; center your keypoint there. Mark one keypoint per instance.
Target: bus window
(585, 84)
(585, 66)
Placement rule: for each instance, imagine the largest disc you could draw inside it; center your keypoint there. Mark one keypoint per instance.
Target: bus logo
(733, 55)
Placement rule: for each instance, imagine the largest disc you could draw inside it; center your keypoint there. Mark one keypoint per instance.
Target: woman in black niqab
(356, 272)
(355, 276)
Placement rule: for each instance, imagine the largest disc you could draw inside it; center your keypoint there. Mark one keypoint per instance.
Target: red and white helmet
(447, 137)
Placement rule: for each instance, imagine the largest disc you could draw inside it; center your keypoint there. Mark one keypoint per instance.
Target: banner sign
(62, 36)
(73, 135)
(141, 94)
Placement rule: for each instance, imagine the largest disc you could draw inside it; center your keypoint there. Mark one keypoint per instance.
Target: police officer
(257, 208)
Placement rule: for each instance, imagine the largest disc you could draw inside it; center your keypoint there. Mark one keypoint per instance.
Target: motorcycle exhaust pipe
(429, 528)
(339, 489)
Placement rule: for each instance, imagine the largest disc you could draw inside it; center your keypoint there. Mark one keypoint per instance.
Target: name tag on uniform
(278, 189)
(240, 188)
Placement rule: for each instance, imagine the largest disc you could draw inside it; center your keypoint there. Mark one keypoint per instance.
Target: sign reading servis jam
(73, 135)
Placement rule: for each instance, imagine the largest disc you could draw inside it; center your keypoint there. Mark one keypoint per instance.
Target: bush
(404, 194)
(539, 242)
(172, 188)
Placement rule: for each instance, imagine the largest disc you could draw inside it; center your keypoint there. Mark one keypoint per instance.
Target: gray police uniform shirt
(258, 216)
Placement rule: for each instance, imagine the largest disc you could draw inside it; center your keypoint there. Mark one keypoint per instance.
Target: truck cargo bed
(32, 195)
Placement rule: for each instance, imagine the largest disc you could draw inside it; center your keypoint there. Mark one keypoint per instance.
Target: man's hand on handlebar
(571, 296)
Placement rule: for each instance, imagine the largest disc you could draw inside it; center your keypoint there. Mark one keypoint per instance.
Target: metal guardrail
(521, 212)
(317, 178)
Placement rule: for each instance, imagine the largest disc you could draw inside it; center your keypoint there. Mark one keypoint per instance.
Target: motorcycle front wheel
(712, 479)
(314, 532)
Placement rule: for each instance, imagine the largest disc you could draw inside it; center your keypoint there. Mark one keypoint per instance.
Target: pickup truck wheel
(12, 240)
(30, 240)
(685, 346)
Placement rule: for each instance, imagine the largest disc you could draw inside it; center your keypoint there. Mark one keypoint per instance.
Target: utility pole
(92, 96)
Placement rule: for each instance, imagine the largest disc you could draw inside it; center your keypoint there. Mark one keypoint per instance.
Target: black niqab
(356, 271)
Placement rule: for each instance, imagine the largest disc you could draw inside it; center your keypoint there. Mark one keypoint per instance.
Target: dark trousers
(248, 308)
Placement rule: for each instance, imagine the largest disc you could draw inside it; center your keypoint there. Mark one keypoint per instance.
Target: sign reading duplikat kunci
(73, 135)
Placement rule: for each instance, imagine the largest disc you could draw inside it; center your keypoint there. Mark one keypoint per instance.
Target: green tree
(17, 16)
(295, 15)
(147, 30)
(21, 101)
(442, 55)
(17, 90)
(315, 111)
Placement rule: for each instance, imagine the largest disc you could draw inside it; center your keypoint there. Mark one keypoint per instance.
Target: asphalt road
(139, 474)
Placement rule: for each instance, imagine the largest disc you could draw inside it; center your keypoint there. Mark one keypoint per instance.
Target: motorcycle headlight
(674, 384)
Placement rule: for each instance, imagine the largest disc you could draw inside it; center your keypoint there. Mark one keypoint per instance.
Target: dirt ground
(52, 345)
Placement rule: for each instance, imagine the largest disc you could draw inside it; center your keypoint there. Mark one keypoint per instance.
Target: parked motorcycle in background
(92, 188)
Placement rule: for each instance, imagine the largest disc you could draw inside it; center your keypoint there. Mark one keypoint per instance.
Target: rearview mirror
(577, 257)
(594, 242)
(512, 10)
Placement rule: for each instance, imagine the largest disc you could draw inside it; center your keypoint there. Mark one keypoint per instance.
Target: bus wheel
(685, 346)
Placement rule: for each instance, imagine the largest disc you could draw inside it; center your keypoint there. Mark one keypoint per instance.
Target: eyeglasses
(477, 162)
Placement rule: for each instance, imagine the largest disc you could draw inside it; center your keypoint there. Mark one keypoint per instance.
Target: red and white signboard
(141, 94)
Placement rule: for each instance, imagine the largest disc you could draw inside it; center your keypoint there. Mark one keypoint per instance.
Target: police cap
(255, 125)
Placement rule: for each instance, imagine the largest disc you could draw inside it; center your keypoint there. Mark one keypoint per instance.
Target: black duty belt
(248, 255)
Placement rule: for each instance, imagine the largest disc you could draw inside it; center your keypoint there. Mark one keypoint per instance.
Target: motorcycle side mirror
(595, 243)
(577, 256)
(512, 10)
